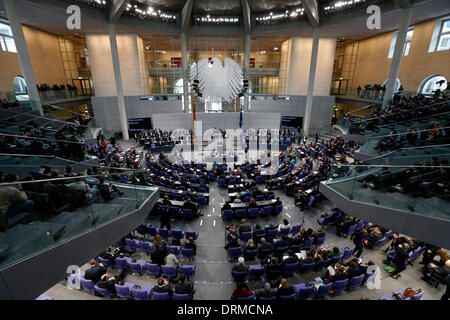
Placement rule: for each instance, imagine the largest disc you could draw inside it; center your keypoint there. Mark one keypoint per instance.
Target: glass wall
(268, 61)
(162, 58)
(344, 67)
(268, 65)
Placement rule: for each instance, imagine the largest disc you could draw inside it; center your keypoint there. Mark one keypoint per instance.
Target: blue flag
(240, 120)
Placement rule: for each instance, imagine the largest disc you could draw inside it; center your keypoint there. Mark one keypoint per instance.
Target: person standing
(359, 240)
(165, 218)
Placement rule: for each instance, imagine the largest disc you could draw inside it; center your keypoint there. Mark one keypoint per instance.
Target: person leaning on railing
(13, 201)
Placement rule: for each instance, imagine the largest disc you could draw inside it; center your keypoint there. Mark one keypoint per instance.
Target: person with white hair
(240, 266)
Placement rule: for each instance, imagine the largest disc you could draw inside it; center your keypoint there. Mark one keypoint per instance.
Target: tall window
(444, 36)
(407, 45)
(6, 38)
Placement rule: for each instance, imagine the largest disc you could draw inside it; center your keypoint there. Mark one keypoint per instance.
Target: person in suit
(184, 286)
(244, 226)
(163, 286)
(108, 283)
(253, 203)
(291, 258)
(95, 272)
(266, 292)
(240, 266)
(188, 204)
(258, 234)
(165, 218)
(374, 236)
(190, 244)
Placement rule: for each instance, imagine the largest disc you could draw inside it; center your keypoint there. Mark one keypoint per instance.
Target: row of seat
(252, 212)
(165, 233)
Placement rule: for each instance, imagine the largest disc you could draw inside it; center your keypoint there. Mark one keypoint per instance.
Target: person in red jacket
(241, 291)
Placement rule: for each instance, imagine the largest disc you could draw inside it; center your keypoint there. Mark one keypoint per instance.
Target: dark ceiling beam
(186, 15)
(403, 3)
(247, 16)
(116, 9)
(312, 11)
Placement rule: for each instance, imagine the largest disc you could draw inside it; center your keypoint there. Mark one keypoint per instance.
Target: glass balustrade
(414, 189)
(53, 211)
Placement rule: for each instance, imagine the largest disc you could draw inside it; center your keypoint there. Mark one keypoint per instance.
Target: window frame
(441, 34)
(3, 37)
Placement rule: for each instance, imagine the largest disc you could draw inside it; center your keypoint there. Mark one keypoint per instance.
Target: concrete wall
(130, 64)
(373, 65)
(299, 65)
(107, 114)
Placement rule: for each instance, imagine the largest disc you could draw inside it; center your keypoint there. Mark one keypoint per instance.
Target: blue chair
(161, 296)
(306, 267)
(152, 269)
(191, 234)
(245, 236)
(168, 271)
(239, 276)
(122, 263)
(106, 262)
(202, 201)
(285, 231)
(272, 234)
(281, 250)
(177, 234)
(256, 272)
(339, 286)
(222, 182)
(271, 196)
(175, 212)
(227, 214)
(131, 244)
(264, 253)
(307, 244)
(278, 209)
(187, 214)
(356, 282)
(258, 179)
(266, 211)
(251, 255)
(324, 290)
(351, 230)
(260, 197)
(176, 250)
(290, 297)
(146, 247)
(241, 213)
(87, 285)
(268, 299)
(180, 297)
(234, 253)
(252, 297)
(103, 292)
(305, 292)
(212, 176)
(136, 267)
(123, 291)
(290, 269)
(187, 270)
(319, 241)
(164, 233)
(187, 253)
(296, 229)
(253, 212)
(348, 253)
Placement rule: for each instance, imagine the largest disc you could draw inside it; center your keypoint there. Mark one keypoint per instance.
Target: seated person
(285, 289)
(277, 202)
(163, 286)
(237, 199)
(433, 272)
(374, 236)
(233, 243)
(250, 245)
(190, 244)
(13, 201)
(188, 204)
(184, 286)
(226, 206)
(258, 233)
(95, 272)
(253, 203)
(333, 253)
(273, 269)
(266, 292)
(300, 199)
(284, 225)
(241, 291)
(108, 283)
(282, 242)
(290, 258)
(244, 227)
(240, 266)
(108, 191)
